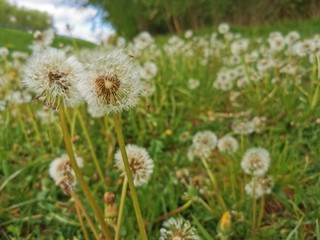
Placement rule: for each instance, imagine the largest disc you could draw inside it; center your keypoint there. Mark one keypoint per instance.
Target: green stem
(86, 215)
(254, 208)
(174, 212)
(35, 126)
(261, 211)
(85, 232)
(121, 208)
(21, 123)
(215, 185)
(97, 212)
(118, 128)
(93, 154)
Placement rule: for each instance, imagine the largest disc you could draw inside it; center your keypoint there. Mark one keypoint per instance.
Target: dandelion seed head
(228, 144)
(140, 163)
(259, 187)
(112, 83)
(242, 127)
(203, 143)
(51, 75)
(178, 229)
(256, 161)
(61, 172)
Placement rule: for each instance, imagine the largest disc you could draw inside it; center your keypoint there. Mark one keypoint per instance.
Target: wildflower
(2, 105)
(148, 71)
(292, 37)
(110, 209)
(203, 143)
(42, 40)
(277, 43)
(178, 229)
(188, 34)
(61, 172)
(228, 144)
(52, 76)
(259, 187)
(141, 164)
(242, 127)
(256, 161)
(239, 46)
(46, 117)
(112, 83)
(223, 28)
(184, 136)
(193, 83)
(224, 227)
(259, 123)
(4, 52)
(143, 40)
(168, 132)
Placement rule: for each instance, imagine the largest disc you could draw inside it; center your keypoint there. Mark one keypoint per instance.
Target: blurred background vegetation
(167, 16)
(24, 19)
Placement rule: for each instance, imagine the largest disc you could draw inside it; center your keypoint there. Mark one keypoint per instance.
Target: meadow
(229, 119)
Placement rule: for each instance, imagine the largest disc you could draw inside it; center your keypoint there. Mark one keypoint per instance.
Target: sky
(85, 22)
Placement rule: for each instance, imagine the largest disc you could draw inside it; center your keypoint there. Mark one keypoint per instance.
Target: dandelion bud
(110, 209)
(224, 227)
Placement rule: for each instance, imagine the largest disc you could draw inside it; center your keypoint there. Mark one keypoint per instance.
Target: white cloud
(80, 19)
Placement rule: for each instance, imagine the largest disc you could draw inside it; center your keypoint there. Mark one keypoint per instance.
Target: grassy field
(257, 86)
(17, 40)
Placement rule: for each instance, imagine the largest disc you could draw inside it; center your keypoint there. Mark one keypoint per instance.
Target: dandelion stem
(86, 215)
(174, 212)
(35, 126)
(93, 154)
(121, 208)
(118, 128)
(254, 208)
(22, 125)
(261, 211)
(97, 212)
(215, 185)
(85, 232)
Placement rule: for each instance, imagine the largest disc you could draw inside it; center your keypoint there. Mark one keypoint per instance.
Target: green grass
(33, 207)
(20, 40)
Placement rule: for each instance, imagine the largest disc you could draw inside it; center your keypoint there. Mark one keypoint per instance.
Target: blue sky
(84, 21)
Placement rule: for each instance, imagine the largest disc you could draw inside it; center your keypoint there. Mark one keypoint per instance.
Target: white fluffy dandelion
(203, 143)
(112, 83)
(178, 229)
(140, 163)
(51, 75)
(61, 172)
(256, 161)
(243, 127)
(259, 187)
(228, 144)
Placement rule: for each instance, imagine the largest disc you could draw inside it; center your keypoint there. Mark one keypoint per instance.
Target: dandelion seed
(52, 76)
(141, 164)
(178, 229)
(112, 83)
(256, 161)
(228, 144)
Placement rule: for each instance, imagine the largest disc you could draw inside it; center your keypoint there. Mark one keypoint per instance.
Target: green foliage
(158, 17)
(12, 16)
(20, 40)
